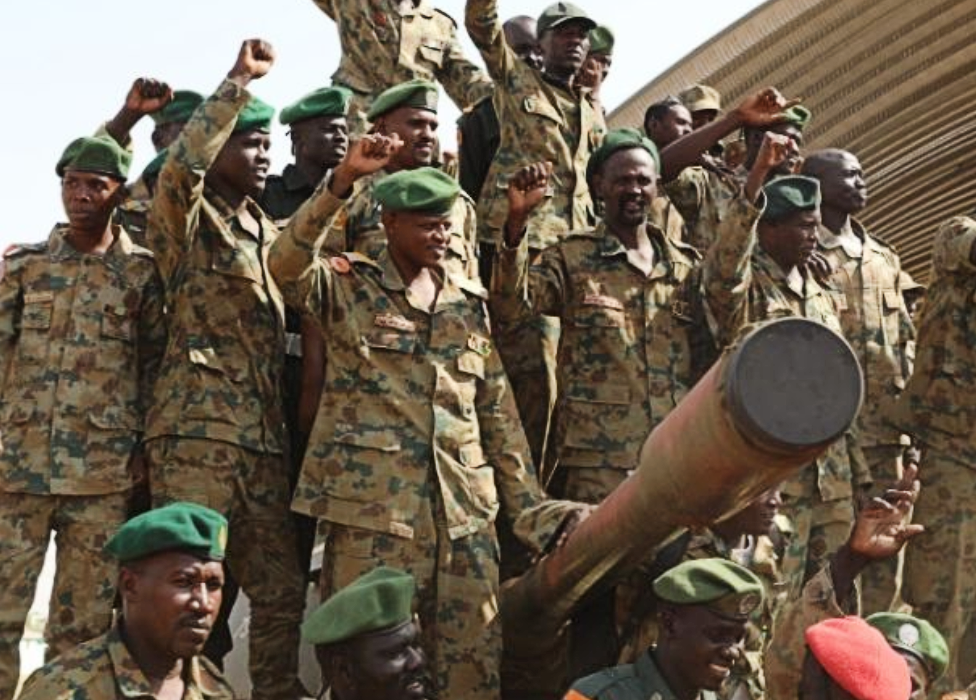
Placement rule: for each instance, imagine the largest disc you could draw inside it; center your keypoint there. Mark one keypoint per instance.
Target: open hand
(883, 525)
(764, 108)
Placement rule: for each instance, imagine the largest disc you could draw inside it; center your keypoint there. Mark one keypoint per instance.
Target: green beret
(620, 140)
(423, 189)
(601, 40)
(381, 599)
(915, 636)
(95, 154)
(700, 98)
(155, 165)
(797, 115)
(421, 94)
(179, 109)
(560, 13)
(789, 194)
(324, 102)
(721, 585)
(257, 114)
(182, 526)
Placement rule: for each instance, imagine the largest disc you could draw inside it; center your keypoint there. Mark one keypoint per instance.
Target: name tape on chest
(395, 322)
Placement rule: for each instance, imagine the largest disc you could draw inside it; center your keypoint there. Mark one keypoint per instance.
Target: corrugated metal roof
(893, 81)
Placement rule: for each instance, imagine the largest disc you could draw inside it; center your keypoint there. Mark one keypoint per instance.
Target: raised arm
(953, 249)
(146, 96)
(463, 81)
(485, 29)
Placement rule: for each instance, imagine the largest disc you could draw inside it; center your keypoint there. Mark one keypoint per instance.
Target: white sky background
(69, 63)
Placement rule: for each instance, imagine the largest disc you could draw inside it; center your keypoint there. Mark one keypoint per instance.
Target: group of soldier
(436, 367)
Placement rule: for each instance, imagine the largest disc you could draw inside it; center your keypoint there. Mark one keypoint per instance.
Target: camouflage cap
(797, 115)
(420, 94)
(559, 13)
(179, 109)
(601, 40)
(916, 637)
(381, 599)
(789, 194)
(701, 98)
(722, 586)
(422, 189)
(324, 102)
(620, 140)
(182, 526)
(95, 154)
(257, 114)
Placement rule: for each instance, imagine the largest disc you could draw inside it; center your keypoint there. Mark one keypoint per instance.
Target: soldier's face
(564, 48)
(757, 517)
(417, 128)
(520, 35)
(754, 139)
(417, 239)
(320, 141)
(842, 184)
(793, 240)
(89, 199)
(170, 603)
(242, 164)
(627, 185)
(675, 123)
(388, 665)
(703, 117)
(703, 646)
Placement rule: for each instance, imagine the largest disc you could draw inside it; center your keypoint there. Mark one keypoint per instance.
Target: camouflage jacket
(382, 47)
(637, 681)
(103, 669)
(625, 353)
(222, 373)
(81, 338)
(414, 400)
(703, 195)
(744, 285)
(539, 121)
(357, 228)
(284, 194)
(785, 654)
(938, 406)
(875, 321)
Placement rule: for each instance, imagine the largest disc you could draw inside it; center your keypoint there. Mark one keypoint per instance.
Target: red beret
(857, 657)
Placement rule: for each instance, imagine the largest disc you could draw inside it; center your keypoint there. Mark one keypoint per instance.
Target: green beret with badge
(422, 189)
(95, 154)
(916, 637)
(419, 94)
(257, 114)
(377, 601)
(790, 194)
(324, 102)
(180, 108)
(620, 140)
(560, 13)
(182, 526)
(797, 115)
(722, 586)
(601, 40)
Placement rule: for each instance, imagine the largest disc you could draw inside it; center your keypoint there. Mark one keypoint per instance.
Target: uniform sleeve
(520, 291)
(294, 257)
(952, 249)
(687, 193)
(327, 6)
(470, 234)
(786, 651)
(179, 190)
(464, 82)
(11, 307)
(152, 339)
(485, 28)
(727, 271)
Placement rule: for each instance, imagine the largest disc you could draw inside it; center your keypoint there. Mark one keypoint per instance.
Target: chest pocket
(432, 52)
(235, 262)
(37, 311)
(117, 324)
(541, 108)
(382, 339)
(600, 311)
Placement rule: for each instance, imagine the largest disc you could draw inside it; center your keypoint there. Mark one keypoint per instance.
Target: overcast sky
(68, 65)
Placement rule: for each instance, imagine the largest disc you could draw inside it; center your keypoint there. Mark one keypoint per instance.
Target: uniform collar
(392, 281)
(609, 246)
(227, 213)
(118, 251)
(132, 682)
(847, 238)
(652, 680)
(801, 285)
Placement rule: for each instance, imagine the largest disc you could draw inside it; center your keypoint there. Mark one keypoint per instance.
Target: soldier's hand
(819, 266)
(254, 60)
(774, 151)
(884, 525)
(148, 95)
(368, 155)
(526, 190)
(763, 108)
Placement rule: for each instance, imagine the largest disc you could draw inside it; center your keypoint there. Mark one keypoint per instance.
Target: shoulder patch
(17, 249)
(470, 286)
(444, 14)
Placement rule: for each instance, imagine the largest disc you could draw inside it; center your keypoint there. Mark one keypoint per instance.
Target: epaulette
(470, 286)
(594, 685)
(344, 263)
(18, 249)
(441, 12)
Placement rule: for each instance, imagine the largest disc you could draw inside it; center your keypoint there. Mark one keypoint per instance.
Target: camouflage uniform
(703, 195)
(637, 681)
(873, 315)
(103, 669)
(217, 418)
(938, 407)
(358, 228)
(745, 285)
(82, 336)
(414, 445)
(382, 47)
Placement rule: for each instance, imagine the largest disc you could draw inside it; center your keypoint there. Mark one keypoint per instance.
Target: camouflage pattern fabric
(251, 490)
(84, 582)
(638, 681)
(540, 121)
(103, 669)
(703, 195)
(383, 46)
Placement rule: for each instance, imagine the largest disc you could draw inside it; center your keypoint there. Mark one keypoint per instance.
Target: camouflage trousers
(819, 529)
(251, 490)
(456, 600)
(940, 565)
(84, 583)
(880, 580)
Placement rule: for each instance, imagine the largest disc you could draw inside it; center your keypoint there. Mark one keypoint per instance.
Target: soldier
(667, 121)
(938, 408)
(169, 581)
(417, 438)
(704, 103)
(595, 69)
(216, 430)
(755, 272)
(705, 605)
(81, 323)
(385, 45)
(367, 642)
(875, 320)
